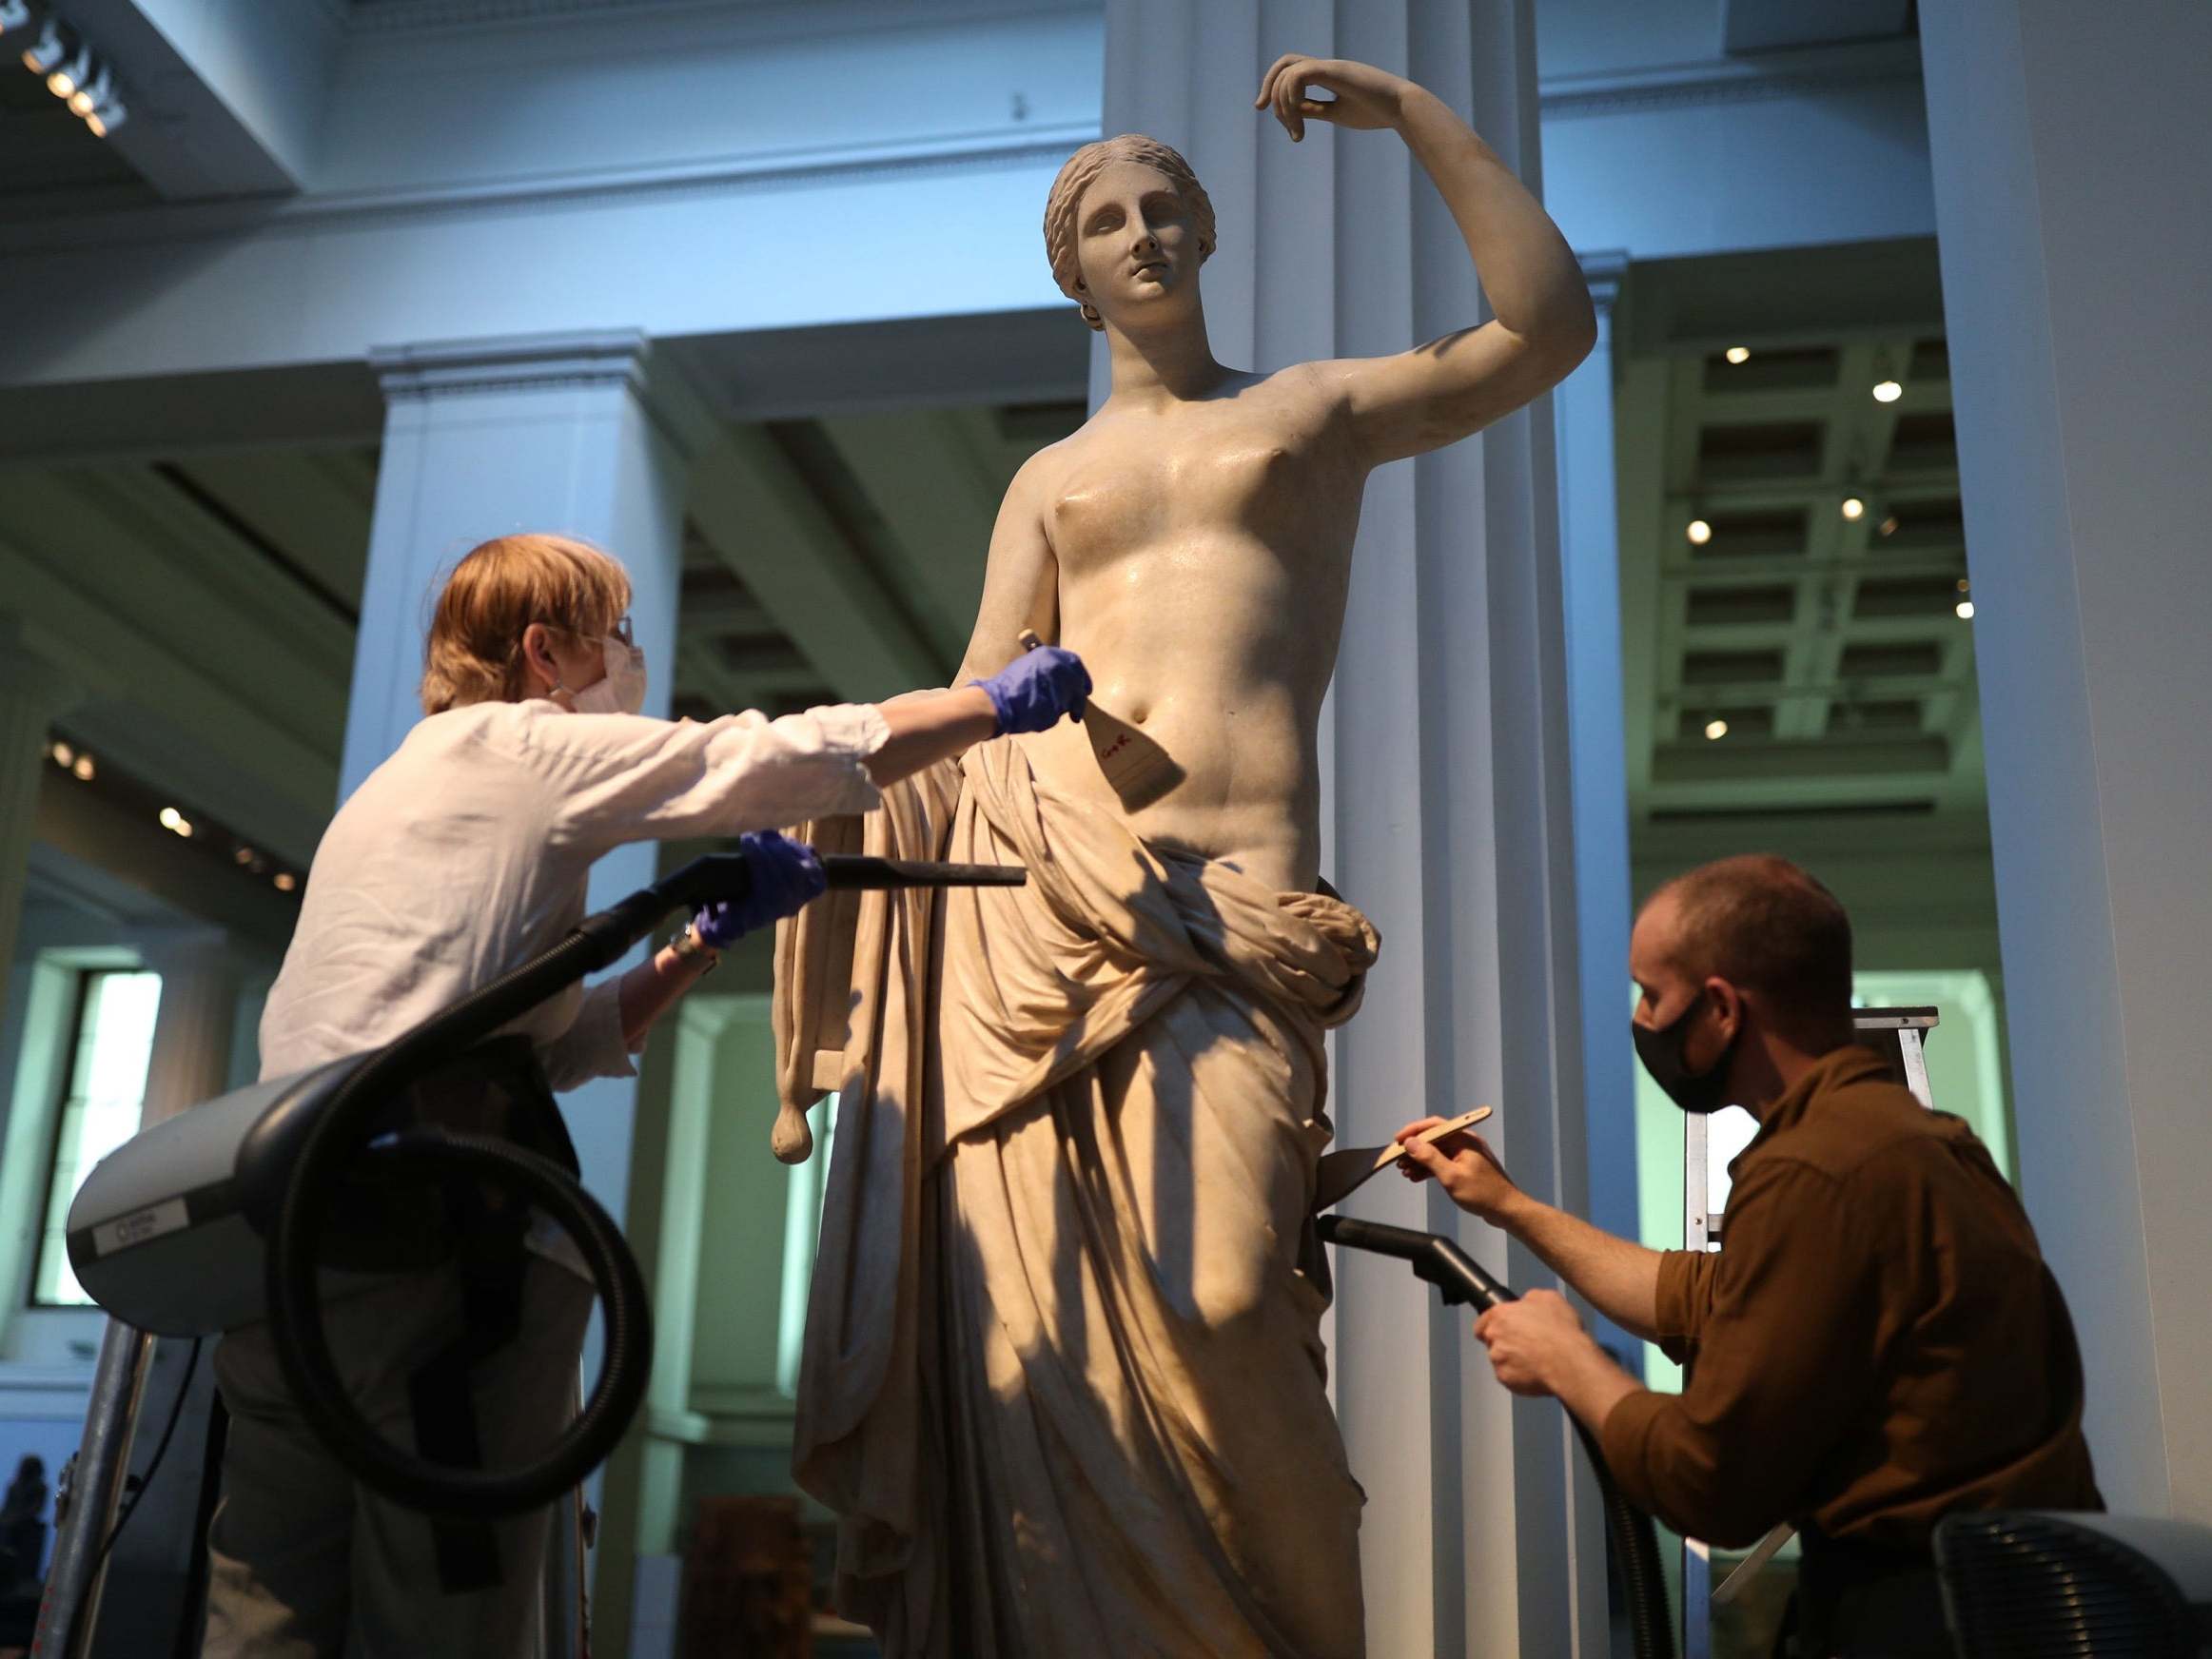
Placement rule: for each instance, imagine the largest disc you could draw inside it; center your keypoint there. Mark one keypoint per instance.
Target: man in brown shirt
(1877, 1343)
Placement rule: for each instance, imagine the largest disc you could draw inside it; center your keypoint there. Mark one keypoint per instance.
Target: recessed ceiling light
(1966, 610)
(63, 753)
(84, 768)
(1853, 508)
(1698, 531)
(1889, 525)
(175, 822)
(286, 880)
(1737, 354)
(1716, 731)
(1887, 391)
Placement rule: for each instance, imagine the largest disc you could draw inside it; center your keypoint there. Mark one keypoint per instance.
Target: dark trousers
(1866, 1601)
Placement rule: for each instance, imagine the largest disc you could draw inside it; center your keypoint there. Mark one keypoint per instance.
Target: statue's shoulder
(1045, 466)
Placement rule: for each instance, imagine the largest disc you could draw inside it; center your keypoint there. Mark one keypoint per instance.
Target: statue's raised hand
(1362, 95)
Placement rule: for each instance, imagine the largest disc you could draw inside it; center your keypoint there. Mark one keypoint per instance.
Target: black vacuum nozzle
(1455, 1274)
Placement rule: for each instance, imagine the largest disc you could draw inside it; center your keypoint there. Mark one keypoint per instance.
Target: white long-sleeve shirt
(465, 856)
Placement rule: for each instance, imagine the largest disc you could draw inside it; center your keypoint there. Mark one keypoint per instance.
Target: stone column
(2072, 157)
(31, 694)
(194, 1024)
(566, 433)
(1590, 562)
(1445, 762)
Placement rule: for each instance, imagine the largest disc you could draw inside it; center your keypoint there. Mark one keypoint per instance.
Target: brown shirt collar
(1838, 1068)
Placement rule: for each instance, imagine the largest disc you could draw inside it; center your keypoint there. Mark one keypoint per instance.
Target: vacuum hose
(330, 1149)
(1461, 1279)
(333, 1144)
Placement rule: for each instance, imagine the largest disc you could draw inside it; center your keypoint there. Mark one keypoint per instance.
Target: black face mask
(1661, 1052)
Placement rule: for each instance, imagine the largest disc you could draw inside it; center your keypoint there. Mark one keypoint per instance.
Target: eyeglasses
(621, 631)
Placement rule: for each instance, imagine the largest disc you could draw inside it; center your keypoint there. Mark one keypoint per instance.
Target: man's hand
(1464, 1164)
(1536, 1342)
(1365, 97)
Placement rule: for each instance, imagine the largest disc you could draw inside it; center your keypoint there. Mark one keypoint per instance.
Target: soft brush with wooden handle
(1138, 771)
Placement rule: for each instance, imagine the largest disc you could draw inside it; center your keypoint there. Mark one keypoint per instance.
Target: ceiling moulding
(404, 16)
(1808, 73)
(394, 16)
(733, 175)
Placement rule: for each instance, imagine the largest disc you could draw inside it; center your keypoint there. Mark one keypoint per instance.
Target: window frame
(70, 1042)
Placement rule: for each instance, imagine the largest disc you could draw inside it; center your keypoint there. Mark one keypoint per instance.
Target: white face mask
(622, 688)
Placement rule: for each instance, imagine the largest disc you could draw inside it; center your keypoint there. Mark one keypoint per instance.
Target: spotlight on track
(14, 14)
(104, 118)
(92, 93)
(44, 56)
(64, 81)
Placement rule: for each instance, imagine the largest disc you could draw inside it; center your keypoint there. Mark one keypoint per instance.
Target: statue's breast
(1192, 474)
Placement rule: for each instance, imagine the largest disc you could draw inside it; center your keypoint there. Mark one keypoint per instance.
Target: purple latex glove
(786, 874)
(1033, 690)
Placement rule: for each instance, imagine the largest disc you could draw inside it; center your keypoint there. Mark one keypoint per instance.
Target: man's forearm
(1590, 1385)
(1620, 1279)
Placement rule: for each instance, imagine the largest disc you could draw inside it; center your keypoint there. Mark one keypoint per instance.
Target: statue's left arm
(1542, 324)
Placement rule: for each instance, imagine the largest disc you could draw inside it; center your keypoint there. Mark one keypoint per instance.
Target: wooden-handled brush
(1140, 771)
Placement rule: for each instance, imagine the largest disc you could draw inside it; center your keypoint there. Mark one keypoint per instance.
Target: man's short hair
(1763, 924)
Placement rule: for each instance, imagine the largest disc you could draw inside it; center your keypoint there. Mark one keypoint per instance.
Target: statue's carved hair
(1082, 171)
(473, 651)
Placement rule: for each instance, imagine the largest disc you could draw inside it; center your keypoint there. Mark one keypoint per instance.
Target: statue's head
(1104, 201)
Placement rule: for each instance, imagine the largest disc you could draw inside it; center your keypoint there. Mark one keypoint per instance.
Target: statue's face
(1135, 245)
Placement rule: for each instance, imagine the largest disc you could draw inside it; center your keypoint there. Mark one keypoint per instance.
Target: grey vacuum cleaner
(223, 1215)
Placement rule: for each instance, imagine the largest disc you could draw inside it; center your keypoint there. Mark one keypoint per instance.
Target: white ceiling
(1828, 645)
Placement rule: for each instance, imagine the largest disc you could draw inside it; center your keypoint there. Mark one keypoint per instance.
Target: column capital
(512, 362)
(578, 359)
(1603, 271)
(168, 951)
(30, 676)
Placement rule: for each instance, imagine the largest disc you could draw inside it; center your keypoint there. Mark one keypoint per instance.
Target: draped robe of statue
(1063, 1376)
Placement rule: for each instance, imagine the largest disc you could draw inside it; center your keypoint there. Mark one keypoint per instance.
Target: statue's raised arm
(1442, 391)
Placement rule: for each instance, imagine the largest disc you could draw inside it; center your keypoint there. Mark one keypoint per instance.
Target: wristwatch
(688, 946)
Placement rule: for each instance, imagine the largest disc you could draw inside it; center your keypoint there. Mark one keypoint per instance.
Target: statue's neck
(1174, 364)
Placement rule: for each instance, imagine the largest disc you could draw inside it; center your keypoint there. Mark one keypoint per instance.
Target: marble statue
(1063, 1378)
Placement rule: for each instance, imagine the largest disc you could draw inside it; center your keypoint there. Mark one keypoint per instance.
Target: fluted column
(32, 693)
(573, 433)
(193, 1026)
(2071, 149)
(1589, 561)
(1446, 799)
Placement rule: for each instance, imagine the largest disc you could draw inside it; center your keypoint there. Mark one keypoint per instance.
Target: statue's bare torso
(1202, 553)
(1192, 543)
